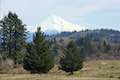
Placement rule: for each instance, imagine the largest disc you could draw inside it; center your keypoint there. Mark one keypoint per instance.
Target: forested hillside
(95, 44)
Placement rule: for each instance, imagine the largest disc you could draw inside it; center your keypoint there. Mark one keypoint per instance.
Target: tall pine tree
(38, 59)
(13, 36)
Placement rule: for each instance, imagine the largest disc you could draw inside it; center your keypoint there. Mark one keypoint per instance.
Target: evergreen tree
(38, 59)
(5, 37)
(72, 60)
(13, 36)
(85, 46)
(106, 47)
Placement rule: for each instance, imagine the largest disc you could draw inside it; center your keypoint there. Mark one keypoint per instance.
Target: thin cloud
(96, 5)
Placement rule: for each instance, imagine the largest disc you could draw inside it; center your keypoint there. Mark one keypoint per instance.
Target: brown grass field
(93, 70)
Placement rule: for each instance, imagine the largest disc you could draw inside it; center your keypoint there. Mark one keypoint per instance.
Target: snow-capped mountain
(56, 24)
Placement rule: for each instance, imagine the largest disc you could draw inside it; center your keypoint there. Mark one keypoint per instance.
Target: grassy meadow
(93, 70)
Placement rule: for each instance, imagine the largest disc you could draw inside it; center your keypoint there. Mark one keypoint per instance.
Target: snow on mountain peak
(55, 24)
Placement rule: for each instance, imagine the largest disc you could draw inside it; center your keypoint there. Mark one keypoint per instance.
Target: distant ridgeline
(100, 44)
(95, 35)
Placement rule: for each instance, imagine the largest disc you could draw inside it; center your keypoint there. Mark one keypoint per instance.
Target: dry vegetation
(93, 70)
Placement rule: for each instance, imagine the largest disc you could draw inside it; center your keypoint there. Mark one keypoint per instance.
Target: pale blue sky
(88, 13)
